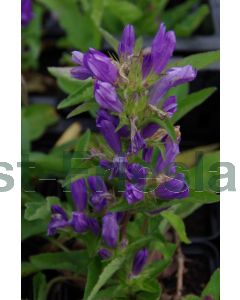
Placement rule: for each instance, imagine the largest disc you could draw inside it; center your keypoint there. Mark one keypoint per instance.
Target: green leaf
(27, 269)
(81, 31)
(198, 61)
(47, 164)
(112, 41)
(31, 228)
(83, 93)
(106, 274)
(39, 287)
(38, 118)
(125, 11)
(191, 297)
(94, 270)
(76, 261)
(83, 142)
(213, 286)
(178, 12)
(191, 22)
(112, 292)
(166, 124)
(40, 209)
(87, 106)
(177, 223)
(192, 101)
(64, 80)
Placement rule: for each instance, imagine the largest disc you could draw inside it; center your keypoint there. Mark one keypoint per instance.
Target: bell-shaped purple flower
(110, 230)
(174, 77)
(137, 142)
(162, 48)
(147, 154)
(79, 222)
(81, 72)
(174, 188)
(108, 130)
(133, 193)
(79, 194)
(106, 96)
(59, 220)
(170, 105)
(104, 253)
(101, 66)
(99, 192)
(26, 12)
(127, 43)
(139, 261)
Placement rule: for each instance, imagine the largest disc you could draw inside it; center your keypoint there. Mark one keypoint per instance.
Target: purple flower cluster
(118, 89)
(26, 12)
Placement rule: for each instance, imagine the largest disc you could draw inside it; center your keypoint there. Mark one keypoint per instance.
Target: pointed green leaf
(192, 101)
(87, 106)
(177, 223)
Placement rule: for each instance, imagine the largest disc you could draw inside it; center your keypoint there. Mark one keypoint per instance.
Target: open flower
(59, 220)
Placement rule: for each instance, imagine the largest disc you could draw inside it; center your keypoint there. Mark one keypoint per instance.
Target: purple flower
(104, 253)
(126, 45)
(146, 64)
(106, 96)
(99, 192)
(107, 128)
(137, 173)
(139, 261)
(174, 77)
(80, 73)
(79, 194)
(149, 130)
(110, 230)
(26, 12)
(100, 66)
(59, 220)
(162, 48)
(171, 151)
(94, 226)
(170, 105)
(79, 222)
(174, 188)
(147, 154)
(137, 142)
(133, 193)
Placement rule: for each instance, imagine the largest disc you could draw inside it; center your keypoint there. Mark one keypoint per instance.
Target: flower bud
(139, 261)
(110, 230)
(126, 45)
(79, 194)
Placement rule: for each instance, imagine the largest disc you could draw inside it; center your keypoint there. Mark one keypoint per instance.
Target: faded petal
(77, 57)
